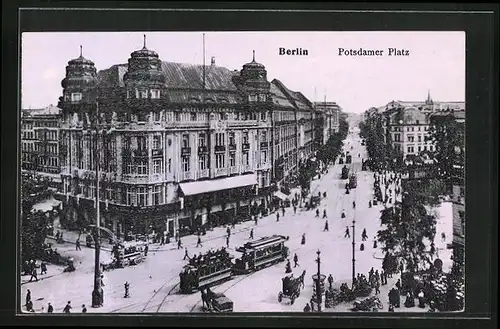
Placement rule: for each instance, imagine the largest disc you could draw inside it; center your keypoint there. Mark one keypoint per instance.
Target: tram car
(348, 159)
(345, 172)
(130, 253)
(353, 181)
(205, 270)
(261, 253)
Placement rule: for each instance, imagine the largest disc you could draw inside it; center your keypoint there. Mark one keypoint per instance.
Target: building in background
(181, 146)
(330, 112)
(40, 142)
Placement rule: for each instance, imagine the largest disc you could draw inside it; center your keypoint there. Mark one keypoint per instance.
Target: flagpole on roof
(203, 61)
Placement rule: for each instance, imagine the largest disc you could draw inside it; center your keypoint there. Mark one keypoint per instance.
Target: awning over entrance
(281, 195)
(193, 188)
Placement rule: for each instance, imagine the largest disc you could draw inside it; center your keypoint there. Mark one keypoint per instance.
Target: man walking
(67, 308)
(326, 227)
(277, 216)
(347, 234)
(354, 204)
(295, 261)
(227, 241)
(324, 213)
(179, 244)
(363, 235)
(28, 296)
(78, 247)
(50, 308)
(251, 234)
(185, 254)
(294, 209)
(43, 268)
(317, 213)
(34, 274)
(198, 244)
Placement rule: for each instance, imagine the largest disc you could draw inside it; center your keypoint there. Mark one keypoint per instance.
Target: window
(185, 140)
(141, 93)
(418, 122)
(91, 190)
(157, 166)
(425, 147)
(131, 196)
(397, 137)
(156, 142)
(185, 163)
(202, 161)
(157, 195)
(252, 98)
(76, 97)
(232, 159)
(263, 136)
(245, 137)
(141, 143)
(419, 138)
(419, 148)
(411, 138)
(201, 140)
(219, 139)
(219, 160)
(263, 116)
(110, 193)
(193, 116)
(461, 215)
(177, 116)
(263, 157)
(155, 93)
(231, 138)
(142, 196)
(142, 168)
(245, 159)
(157, 116)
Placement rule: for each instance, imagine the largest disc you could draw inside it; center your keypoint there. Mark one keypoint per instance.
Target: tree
(33, 225)
(448, 136)
(409, 224)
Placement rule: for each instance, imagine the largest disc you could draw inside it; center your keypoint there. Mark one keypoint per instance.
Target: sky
(436, 61)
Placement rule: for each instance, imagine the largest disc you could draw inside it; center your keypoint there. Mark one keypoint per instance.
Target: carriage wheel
(280, 297)
(292, 300)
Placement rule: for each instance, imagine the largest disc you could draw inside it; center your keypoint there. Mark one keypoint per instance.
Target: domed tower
(253, 81)
(145, 77)
(79, 85)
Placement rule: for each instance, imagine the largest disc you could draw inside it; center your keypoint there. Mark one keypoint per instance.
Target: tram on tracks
(213, 268)
(261, 253)
(345, 172)
(206, 270)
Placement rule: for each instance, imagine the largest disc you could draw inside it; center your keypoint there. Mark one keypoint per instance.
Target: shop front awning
(200, 187)
(280, 195)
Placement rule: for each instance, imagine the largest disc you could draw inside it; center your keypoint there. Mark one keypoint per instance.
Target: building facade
(180, 146)
(330, 113)
(40, 141)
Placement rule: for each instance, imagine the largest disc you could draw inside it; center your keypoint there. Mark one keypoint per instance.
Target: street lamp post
(353, 251)
(97, 293)
(318, 282)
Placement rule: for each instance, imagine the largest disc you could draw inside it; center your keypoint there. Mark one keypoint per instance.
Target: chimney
(213, 61)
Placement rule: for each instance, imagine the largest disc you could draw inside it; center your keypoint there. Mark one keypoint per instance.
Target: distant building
(331, 113)
(40, 141)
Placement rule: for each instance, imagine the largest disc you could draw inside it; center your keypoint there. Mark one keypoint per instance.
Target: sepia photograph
(215, 172)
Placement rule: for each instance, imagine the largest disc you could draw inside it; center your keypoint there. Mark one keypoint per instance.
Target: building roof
(278, 97)
(49, 110)
(178, 76)
(294, 97)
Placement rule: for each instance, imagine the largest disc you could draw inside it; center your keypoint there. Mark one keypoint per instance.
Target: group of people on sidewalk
(50, 307)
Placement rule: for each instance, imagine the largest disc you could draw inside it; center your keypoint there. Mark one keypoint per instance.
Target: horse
(301, 279)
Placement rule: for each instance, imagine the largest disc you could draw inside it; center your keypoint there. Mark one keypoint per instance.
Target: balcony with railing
(141, 153)
(186, 175)
(135, 179)
(264, 145)
(157, 153)
(202, 150)
(245, 146)
(246, 168)
(234, 170)
(220, 148)
(204, 173)
(232, 147)
(186, 124)
(185, 151)
(221, 172)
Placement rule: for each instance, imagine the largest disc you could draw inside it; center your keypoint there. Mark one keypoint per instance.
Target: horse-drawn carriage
(345, 172)
(370, 304)
(216, 302)
(291, 287)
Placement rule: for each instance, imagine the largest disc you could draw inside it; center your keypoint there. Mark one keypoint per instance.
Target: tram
(353, 181)
(348, 159)
(261, 253)
(130, 253)
(206, 270)
(345, 172)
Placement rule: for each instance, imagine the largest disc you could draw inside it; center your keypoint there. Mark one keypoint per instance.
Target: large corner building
(179, 145)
